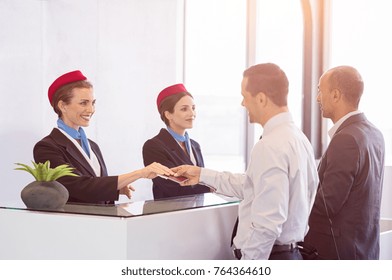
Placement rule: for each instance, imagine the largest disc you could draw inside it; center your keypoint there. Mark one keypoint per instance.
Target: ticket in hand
(178, 179)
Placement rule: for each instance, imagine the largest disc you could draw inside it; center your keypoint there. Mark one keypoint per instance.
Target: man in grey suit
(344, 221)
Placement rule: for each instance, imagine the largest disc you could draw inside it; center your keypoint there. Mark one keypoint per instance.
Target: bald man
(344, 221)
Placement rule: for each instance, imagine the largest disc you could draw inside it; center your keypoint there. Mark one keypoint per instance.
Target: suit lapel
(172, 144)
(98, 154)
(197, 154)
(62, 140)
(353, 119)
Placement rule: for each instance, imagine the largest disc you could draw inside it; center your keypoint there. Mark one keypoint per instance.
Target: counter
(385, 239)
(192, 227)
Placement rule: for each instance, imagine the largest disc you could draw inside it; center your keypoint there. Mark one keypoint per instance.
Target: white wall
(128, 49)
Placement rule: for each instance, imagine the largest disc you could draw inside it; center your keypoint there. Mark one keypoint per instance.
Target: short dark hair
(168, 104)
(65, 94)
(269, 79)
(348, 80)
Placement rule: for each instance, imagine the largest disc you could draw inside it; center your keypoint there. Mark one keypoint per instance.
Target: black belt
(284, 248)
(275, 249)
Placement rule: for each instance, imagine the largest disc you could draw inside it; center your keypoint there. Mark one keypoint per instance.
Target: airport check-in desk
(191, 227)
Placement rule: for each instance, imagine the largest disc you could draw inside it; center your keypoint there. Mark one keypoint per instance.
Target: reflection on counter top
(137, 208)
(385, 225)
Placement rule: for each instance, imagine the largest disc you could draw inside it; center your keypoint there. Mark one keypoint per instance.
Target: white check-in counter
(192, 227)
(386, 239)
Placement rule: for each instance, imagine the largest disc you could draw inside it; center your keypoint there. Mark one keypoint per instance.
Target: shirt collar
(277, 120)
(336, 126)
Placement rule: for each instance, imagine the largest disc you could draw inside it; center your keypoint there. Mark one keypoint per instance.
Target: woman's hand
(148, 172)
(127, 190)
(155, 169)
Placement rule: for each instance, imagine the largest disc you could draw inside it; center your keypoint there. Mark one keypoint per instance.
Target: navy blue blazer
(351, 177)
(164, 149)
(87, 188)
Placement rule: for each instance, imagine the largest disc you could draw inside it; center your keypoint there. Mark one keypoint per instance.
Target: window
(362, 42)
(279, 39)
(214, 61)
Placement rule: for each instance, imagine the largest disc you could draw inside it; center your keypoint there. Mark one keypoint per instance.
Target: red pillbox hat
(171, 90)
(67, 78)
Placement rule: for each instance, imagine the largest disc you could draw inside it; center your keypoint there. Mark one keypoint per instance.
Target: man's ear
(336, 94)
(262, 98)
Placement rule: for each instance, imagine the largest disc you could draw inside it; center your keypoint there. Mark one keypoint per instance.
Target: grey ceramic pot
(45, 195)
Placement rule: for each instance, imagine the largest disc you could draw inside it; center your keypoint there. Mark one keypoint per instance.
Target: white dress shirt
(277, 190)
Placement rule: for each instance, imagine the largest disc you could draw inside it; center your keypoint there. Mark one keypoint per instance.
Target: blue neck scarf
(75, 134)
(181, 138)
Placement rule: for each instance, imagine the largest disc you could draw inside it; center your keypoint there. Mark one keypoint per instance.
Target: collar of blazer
(63, 141)
(171, 143)
(353, 119)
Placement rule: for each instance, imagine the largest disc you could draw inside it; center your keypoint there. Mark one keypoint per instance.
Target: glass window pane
(279, 39)
(214, 61)
(362, 42)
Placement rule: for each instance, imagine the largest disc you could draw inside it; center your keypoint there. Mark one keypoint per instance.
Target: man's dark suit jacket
(87, 188)
(164, 149)
(351, 177)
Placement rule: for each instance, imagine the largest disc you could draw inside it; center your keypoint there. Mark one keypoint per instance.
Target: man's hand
(190, 171)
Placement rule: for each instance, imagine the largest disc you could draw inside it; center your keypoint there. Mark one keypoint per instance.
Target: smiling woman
(80, 109)
(72, 98)
(172, 146)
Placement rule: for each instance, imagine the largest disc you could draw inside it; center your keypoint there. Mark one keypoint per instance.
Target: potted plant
(45, 192)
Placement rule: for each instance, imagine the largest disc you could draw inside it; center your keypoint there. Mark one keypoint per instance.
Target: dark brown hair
(168, 104)
(269, 79)
(348, 80)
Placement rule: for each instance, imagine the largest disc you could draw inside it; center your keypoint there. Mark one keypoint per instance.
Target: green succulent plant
(43, 173)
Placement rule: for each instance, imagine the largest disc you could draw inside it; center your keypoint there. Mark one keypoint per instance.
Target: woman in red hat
(72, 98)
(172, 146)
